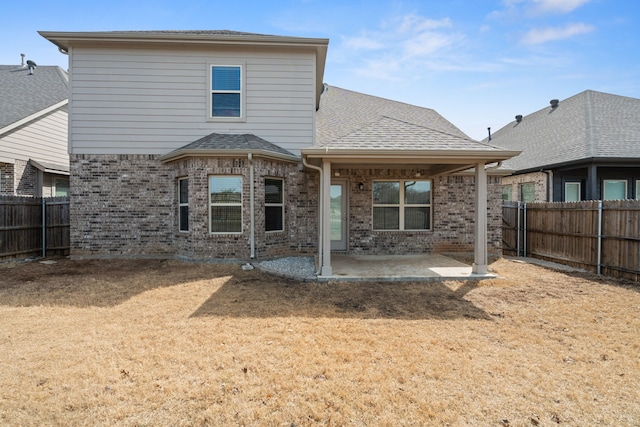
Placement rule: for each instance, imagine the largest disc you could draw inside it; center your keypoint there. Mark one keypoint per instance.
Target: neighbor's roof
(589, 125)
(217, 144)
(23, 95)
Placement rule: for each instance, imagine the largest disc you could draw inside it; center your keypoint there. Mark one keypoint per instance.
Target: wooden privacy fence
(599, 236)
(34, 227)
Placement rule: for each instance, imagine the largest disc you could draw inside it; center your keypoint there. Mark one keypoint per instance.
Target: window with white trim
(402, 205)
(572, 191)
(274, 204)
(183, 204)
(614, 189)
(225, 199)
(61, 187)
(637, 189)
(226, 91)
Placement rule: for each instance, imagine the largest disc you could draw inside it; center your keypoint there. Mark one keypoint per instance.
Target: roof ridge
(434, 130)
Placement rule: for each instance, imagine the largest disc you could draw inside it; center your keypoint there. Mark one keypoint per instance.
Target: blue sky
(477, 62)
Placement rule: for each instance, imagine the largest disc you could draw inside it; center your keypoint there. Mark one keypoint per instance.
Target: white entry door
(338, 215)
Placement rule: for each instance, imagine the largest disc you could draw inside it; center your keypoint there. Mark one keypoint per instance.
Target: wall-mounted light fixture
(361, 186)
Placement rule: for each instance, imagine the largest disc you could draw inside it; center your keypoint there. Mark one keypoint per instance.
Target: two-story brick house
(219, 144)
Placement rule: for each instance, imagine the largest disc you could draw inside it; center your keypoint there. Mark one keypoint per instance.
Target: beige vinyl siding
(153, 101)
(44, 139)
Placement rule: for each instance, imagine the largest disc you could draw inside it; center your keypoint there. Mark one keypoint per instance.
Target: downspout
(320, 210)
(548, 173)
(252, 202)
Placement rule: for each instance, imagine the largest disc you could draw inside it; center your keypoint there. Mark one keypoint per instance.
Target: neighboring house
(34, 159)
(220, 144)
(586, 147)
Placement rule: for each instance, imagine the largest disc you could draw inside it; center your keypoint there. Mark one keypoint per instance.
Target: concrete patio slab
(421, 267)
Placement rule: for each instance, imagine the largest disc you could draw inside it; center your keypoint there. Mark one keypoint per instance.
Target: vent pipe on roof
(31, 65)
(554, 103)
(22, 61)
(489, 129)
(519, 118)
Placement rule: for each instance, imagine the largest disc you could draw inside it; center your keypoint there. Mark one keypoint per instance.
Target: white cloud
(558, 6)
(414, 23)
(543, 35)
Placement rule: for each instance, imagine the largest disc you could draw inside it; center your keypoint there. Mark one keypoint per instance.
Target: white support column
(480, 254)
(325, 215)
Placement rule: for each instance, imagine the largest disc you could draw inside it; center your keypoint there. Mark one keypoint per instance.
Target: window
(183, 204)
(614, 189)
(225, 195)
(226, 91)
(528, 192)
(402, 205)
(273, 204)
(638, 189)
(506, 192)
(572, 192)
(61, 187)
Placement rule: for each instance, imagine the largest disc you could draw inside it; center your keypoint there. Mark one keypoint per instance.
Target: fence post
(599, 237)
(524, 231)
(44, 228)
(518, 229)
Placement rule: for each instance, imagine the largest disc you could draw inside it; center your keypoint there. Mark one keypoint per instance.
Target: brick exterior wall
(6, 179)
(127, 205)
(25, 177)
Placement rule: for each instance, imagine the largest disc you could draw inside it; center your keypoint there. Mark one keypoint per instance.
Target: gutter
(252, 202)
(320, 209)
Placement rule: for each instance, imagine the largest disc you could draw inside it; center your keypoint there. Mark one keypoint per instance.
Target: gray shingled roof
(354, 120)
(22, 95)
(589, 125)
(219, 143)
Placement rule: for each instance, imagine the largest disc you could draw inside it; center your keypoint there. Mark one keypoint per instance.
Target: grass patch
(170, 343)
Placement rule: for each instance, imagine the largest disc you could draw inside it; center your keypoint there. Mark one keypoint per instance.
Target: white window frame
(210, 92)
(226, 204)
(402, 205)
(182, 204)
(604, 188)
(568, 183)
(637, 189)
(276, 205)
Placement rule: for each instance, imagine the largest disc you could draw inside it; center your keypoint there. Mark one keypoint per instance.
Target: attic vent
(519, 118)
(32, 66)
(554, 103)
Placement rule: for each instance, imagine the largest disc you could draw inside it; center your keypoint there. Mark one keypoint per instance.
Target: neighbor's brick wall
(25, 178)
(6, 179)
(537, 178)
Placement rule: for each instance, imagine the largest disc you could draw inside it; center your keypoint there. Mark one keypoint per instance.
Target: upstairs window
(226, 91)
(402, 205)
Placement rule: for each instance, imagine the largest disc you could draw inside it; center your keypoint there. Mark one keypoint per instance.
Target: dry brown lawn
(164, 343)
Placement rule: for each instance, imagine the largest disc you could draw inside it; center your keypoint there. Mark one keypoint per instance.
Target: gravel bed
(300, 268)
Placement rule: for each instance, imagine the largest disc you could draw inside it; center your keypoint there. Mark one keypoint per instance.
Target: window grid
(225, 203)
(397, 208)
(226, 91)
(183, 204)
(274, 204)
